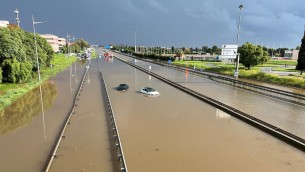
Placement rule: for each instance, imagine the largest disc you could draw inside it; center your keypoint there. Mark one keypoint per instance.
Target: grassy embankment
(255, 73)
(11, 92)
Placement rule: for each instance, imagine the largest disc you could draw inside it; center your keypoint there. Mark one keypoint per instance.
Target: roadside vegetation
(255, 73)
(18, 62)
(255, 61)
(9, 92)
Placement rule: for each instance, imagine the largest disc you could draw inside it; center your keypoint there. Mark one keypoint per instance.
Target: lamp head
(16, 11)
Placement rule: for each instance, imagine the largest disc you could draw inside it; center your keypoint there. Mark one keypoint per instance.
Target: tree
(179, 53)
(301, 59)
(16, 72)
(83, 44)
(298, 48)
(173, 49)
(209, 50)
(251, 55)
(0, 74)
(205, 48)
(17, 54)
(214, 49)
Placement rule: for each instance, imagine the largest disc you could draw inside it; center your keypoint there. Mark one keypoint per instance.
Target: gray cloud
(166, 22)
(157, 5)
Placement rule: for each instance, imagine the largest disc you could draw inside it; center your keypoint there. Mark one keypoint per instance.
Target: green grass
(254, 73)
(11, 92)
(282, 62)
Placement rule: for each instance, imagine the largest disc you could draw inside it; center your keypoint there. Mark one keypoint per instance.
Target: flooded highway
(285, 115)
(171, 132)
(176, 132)
(26, 135)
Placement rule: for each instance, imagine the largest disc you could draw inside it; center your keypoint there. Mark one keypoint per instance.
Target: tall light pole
(135, 41)
(68, 47)
(36, 53)
(256, 38)
(238, 29)
(38, 69)
(17, 17)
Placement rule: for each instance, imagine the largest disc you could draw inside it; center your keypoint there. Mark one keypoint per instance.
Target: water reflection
(20, 113)
(71, 89)
(221, 114)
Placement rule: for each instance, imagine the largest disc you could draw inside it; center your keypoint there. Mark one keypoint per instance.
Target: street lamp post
(238, 29)
(135, 41)
(68, 47)
(38, 69)
(256, 39)
(36, 53)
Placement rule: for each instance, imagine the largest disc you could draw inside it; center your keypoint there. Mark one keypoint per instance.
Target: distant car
(122, 87)
(149, 91)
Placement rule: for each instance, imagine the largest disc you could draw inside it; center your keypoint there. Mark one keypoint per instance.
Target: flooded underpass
(176, 132)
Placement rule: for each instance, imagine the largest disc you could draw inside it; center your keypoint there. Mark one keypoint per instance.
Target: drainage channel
(262, 125)
(67, 122)
(115, 131)
(267, 91)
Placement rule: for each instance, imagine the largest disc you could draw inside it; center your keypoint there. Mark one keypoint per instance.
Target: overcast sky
(189, 23)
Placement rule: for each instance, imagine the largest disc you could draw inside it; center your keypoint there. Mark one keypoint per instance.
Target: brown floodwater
(171, 132)
(27, 134)
(88, 144)
(285, 115)
(176, 132)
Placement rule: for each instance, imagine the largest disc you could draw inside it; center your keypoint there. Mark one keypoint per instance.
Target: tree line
(17, 54)
(18, 62)
(250, 55)
(75, 47)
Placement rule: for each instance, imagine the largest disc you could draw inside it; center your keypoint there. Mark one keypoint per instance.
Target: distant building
(55, 42)
(291, 54)
(61, 43)
(4, 23)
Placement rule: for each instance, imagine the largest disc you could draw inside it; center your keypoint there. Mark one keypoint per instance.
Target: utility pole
(135, 41)
(256, 38)
(238, 29)
(17, 17)
(68, 47)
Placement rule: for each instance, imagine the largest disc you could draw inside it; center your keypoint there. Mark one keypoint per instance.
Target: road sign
(236, 73)
(229, 51)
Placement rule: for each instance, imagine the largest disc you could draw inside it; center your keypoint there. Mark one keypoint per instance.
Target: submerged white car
(149, 91)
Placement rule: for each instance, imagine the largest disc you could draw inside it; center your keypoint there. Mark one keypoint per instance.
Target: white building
(4, 23)
(291, 54)
(61, 42)
(55, 42)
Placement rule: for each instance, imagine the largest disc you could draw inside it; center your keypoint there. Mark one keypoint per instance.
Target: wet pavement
(26, 135)
(285, 115)
(171, 132)
(87, 143)
(176, 132)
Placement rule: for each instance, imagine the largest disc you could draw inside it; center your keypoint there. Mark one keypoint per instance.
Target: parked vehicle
(122, 87)
(149, 91)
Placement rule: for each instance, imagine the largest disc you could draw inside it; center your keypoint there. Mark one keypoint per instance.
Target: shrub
(0, 75)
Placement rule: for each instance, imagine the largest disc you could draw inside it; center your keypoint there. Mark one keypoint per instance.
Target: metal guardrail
(115, 130)
(271, 92)
(67, 122)
(262, 125)
(238, 83)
